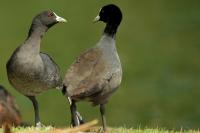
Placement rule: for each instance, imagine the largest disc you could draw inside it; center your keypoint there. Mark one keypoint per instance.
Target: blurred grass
(158, 43)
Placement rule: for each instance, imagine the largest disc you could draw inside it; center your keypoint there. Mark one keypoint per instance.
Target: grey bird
(29, 71)
(97, 72)
(9, 111)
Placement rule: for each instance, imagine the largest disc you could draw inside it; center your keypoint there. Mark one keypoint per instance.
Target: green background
(159, 45)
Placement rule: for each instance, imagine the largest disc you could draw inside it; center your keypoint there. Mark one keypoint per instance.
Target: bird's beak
(60, 19)
(96, 19)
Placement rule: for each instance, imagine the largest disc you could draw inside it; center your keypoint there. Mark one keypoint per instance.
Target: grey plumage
(33, 75)
(96, 73)
(30, 71)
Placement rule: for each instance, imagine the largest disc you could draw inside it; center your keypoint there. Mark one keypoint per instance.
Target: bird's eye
(51, 14)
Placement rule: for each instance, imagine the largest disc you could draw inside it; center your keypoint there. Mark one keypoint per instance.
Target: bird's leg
(36, 109)
(74, 119)
(78, 115)
(103, 117)
(80, 118)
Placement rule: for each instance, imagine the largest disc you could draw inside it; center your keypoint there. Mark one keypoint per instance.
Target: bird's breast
(27, 66)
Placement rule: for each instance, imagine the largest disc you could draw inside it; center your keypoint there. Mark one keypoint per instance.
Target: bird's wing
(85, 76)
(52, 71)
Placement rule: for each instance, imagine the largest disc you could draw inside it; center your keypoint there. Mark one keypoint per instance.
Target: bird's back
(81, 78)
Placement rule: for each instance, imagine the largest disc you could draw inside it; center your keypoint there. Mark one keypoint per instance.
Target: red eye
(50, 14)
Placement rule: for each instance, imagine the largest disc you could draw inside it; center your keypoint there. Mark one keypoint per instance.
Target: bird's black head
(47, 18)
(110, 14)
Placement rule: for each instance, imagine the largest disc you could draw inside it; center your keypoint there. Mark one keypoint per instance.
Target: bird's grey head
(48, 18)
(45, 20)
(110, 14)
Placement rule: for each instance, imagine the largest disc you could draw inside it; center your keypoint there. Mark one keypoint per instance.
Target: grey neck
(32, 43)
(37, 30)
(106, 42)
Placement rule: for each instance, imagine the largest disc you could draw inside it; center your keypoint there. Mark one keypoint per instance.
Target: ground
(111, 130)
(91, 127)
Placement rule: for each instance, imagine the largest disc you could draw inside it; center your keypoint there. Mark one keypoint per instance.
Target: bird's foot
(101, 130)
(80, 118)
(39, 125)
(78, 121)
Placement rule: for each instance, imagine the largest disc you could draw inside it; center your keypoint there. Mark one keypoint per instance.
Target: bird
(9, 111)
(30, 71)
(97, 72)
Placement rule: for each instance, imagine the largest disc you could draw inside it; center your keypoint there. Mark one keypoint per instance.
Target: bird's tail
(64, 90)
